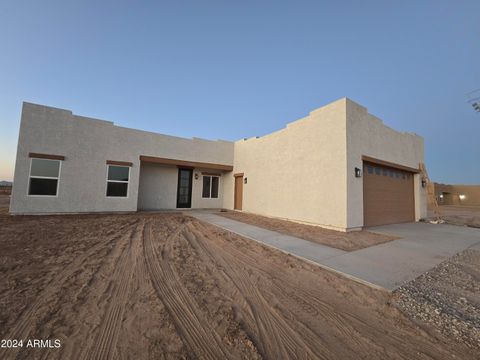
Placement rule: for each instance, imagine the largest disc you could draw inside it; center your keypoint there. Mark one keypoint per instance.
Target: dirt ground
(460, 215)
(167, 286)
(448, 297)
(4, 203)
(344, 241)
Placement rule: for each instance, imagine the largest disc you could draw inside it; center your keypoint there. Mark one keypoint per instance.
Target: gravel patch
(447, 297)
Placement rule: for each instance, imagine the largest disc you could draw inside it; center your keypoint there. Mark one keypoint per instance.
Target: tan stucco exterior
(298, 172)
(367, 135)
(303, 172)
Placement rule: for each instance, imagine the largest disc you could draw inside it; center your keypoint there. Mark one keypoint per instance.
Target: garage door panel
(388, 196)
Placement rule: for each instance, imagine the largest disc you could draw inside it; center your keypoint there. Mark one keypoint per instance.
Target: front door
(238, 199)
(184, 189)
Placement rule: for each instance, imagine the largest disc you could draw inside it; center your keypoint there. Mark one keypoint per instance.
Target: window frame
(44, 177)
(117, 181)
(211, 186)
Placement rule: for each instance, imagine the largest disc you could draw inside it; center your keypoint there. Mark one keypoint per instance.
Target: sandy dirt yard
(149, 286)
(460, 215)
(4, 203)
(350, 241)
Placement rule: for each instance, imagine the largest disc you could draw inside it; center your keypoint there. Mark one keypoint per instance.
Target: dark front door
(184, 189)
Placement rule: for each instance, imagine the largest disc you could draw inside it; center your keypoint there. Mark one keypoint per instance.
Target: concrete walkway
(421, 247)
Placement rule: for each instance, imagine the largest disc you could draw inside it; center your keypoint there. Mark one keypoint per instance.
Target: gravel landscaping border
(447, 297)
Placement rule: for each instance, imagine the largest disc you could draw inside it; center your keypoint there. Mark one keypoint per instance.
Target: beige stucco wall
(367, 135)
(158, 188)
(305, 172)
(86, 144)
(298, 172)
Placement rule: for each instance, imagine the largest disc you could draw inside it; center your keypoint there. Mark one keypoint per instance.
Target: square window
(117, 181)
(210, 187)
(44, 177)
(369, 169)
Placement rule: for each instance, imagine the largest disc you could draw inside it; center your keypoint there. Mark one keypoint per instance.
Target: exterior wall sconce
(245, 180)
(424, 183)
(358, 172)
(461, 197)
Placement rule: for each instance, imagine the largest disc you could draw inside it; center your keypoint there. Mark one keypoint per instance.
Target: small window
(117, 181)
(378, 170)
(44, 175)
(392, 173)
(370, 169)
(215, 186)
(385, 172)
(206, 186)
(210, 187)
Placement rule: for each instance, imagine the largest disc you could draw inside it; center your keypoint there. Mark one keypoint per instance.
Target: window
(44, 175)
(117, 181)
(370, 169)
(210, 187)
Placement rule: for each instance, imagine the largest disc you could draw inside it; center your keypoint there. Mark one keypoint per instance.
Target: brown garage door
(387, 195)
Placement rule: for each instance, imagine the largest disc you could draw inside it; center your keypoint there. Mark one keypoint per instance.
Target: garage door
(387, 195)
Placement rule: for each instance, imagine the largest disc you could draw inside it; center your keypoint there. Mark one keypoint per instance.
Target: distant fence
(5, 190)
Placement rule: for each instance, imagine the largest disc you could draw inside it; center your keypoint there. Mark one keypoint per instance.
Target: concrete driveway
(421, 247)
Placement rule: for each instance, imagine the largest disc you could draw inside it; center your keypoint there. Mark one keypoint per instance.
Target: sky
(234, 69)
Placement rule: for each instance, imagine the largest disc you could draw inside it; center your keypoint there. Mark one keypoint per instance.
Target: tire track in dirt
(278, 340)
(199, 337)
(346, 325)
(107, 334)
(23, 326)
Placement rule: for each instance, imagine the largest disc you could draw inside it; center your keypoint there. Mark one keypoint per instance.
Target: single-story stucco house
(339, 167)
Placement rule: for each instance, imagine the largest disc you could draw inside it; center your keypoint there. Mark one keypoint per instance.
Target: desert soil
(146, 286)
(4, 203)
(350, 241)
(448, 297)
(460, 215)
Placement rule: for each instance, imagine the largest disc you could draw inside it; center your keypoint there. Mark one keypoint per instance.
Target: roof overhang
(185, 163)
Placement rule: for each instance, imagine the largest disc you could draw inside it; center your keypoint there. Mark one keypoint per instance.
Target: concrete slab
(422, 246)
(475, 247)
(290, 244)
